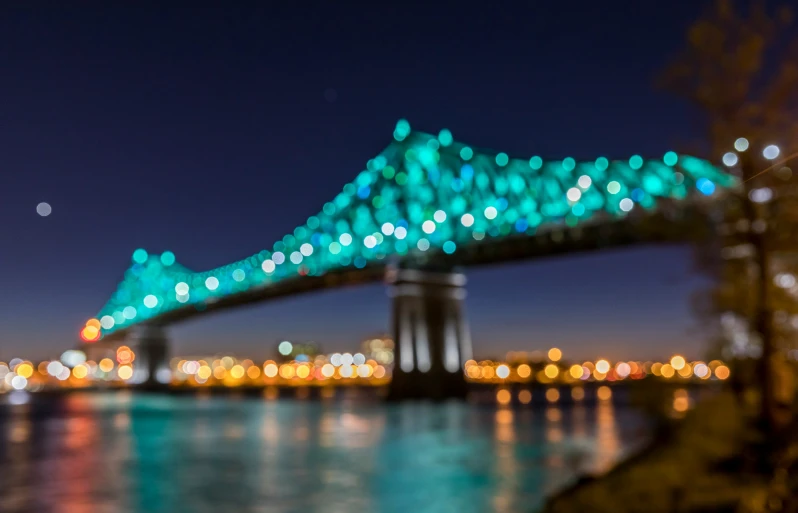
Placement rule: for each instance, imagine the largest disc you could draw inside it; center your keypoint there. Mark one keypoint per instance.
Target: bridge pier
(431, 335)
(151, 368)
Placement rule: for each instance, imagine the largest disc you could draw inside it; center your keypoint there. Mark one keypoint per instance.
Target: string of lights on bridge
(423, 193)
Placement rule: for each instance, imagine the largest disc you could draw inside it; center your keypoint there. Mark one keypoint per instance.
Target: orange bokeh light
(90, 333)
(94, 323)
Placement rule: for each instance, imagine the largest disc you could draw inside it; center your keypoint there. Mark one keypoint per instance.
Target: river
(125, 453)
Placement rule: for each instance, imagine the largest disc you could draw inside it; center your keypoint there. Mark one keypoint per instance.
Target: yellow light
(24, 370)
(379, 372)
(80, 371)
(524, 371)
(681, 401)
(237, 372)
(474, 371)
(94, 323)
(722, 372)
(551, 371)
(253, 372)
(604, 393)
(686, 371)
(599, 376)
(219, 372)
(503, 397)
(552, 395)
(270, 370)
(488, 372)
(576, 371)
(125, 372)
(577, 393)
(524, 396)
(603, 366)
(555, 354)
(667, 371)
(302, 372)
(286, 371)
(656, 369)
(677, 362)
(90, 333)
(106, 365)
(204, 372)
(327, 370)
(124, 355)
(504, 417)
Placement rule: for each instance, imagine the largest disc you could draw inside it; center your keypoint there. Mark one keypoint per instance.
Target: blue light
(467, 172)
(457, 185)
(449, 247)
(360, 262)
(638, 195)
(501, 204)
(705, 186)
(364, 192)
(521, 225)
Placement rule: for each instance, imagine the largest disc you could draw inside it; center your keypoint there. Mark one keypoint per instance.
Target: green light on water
(568, 164)
(536, 163)
(602, 164)
(502, 159)
(466, 153)
(636, 162)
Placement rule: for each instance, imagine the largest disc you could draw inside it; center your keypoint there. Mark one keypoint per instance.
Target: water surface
(123, 453)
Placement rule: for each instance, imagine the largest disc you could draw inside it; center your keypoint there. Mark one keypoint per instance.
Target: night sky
(214, 132)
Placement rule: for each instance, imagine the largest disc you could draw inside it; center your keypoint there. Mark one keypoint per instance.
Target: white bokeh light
(730, 159)
(741, 144)
(771, 152)
(626, 204)
(44, 209)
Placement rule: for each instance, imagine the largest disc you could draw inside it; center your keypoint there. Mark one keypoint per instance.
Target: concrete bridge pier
(151, 368)
(431, 335)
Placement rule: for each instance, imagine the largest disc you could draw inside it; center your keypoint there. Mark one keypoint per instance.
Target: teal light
(140, 256)
(670, 158)
(417, 196)
(167, 258)
(445, 137)
(402, 130)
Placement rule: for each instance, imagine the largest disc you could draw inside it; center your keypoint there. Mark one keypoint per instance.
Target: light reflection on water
(151, 454)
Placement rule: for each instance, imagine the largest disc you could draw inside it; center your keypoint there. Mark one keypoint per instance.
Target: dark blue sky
(213, 132)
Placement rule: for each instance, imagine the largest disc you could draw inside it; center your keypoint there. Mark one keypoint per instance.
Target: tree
(739, 69)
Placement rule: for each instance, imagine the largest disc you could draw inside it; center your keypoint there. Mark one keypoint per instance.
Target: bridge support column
(151, 367)
(431, 335)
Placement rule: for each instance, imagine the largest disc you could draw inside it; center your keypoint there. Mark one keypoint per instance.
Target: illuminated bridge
(423, 207)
